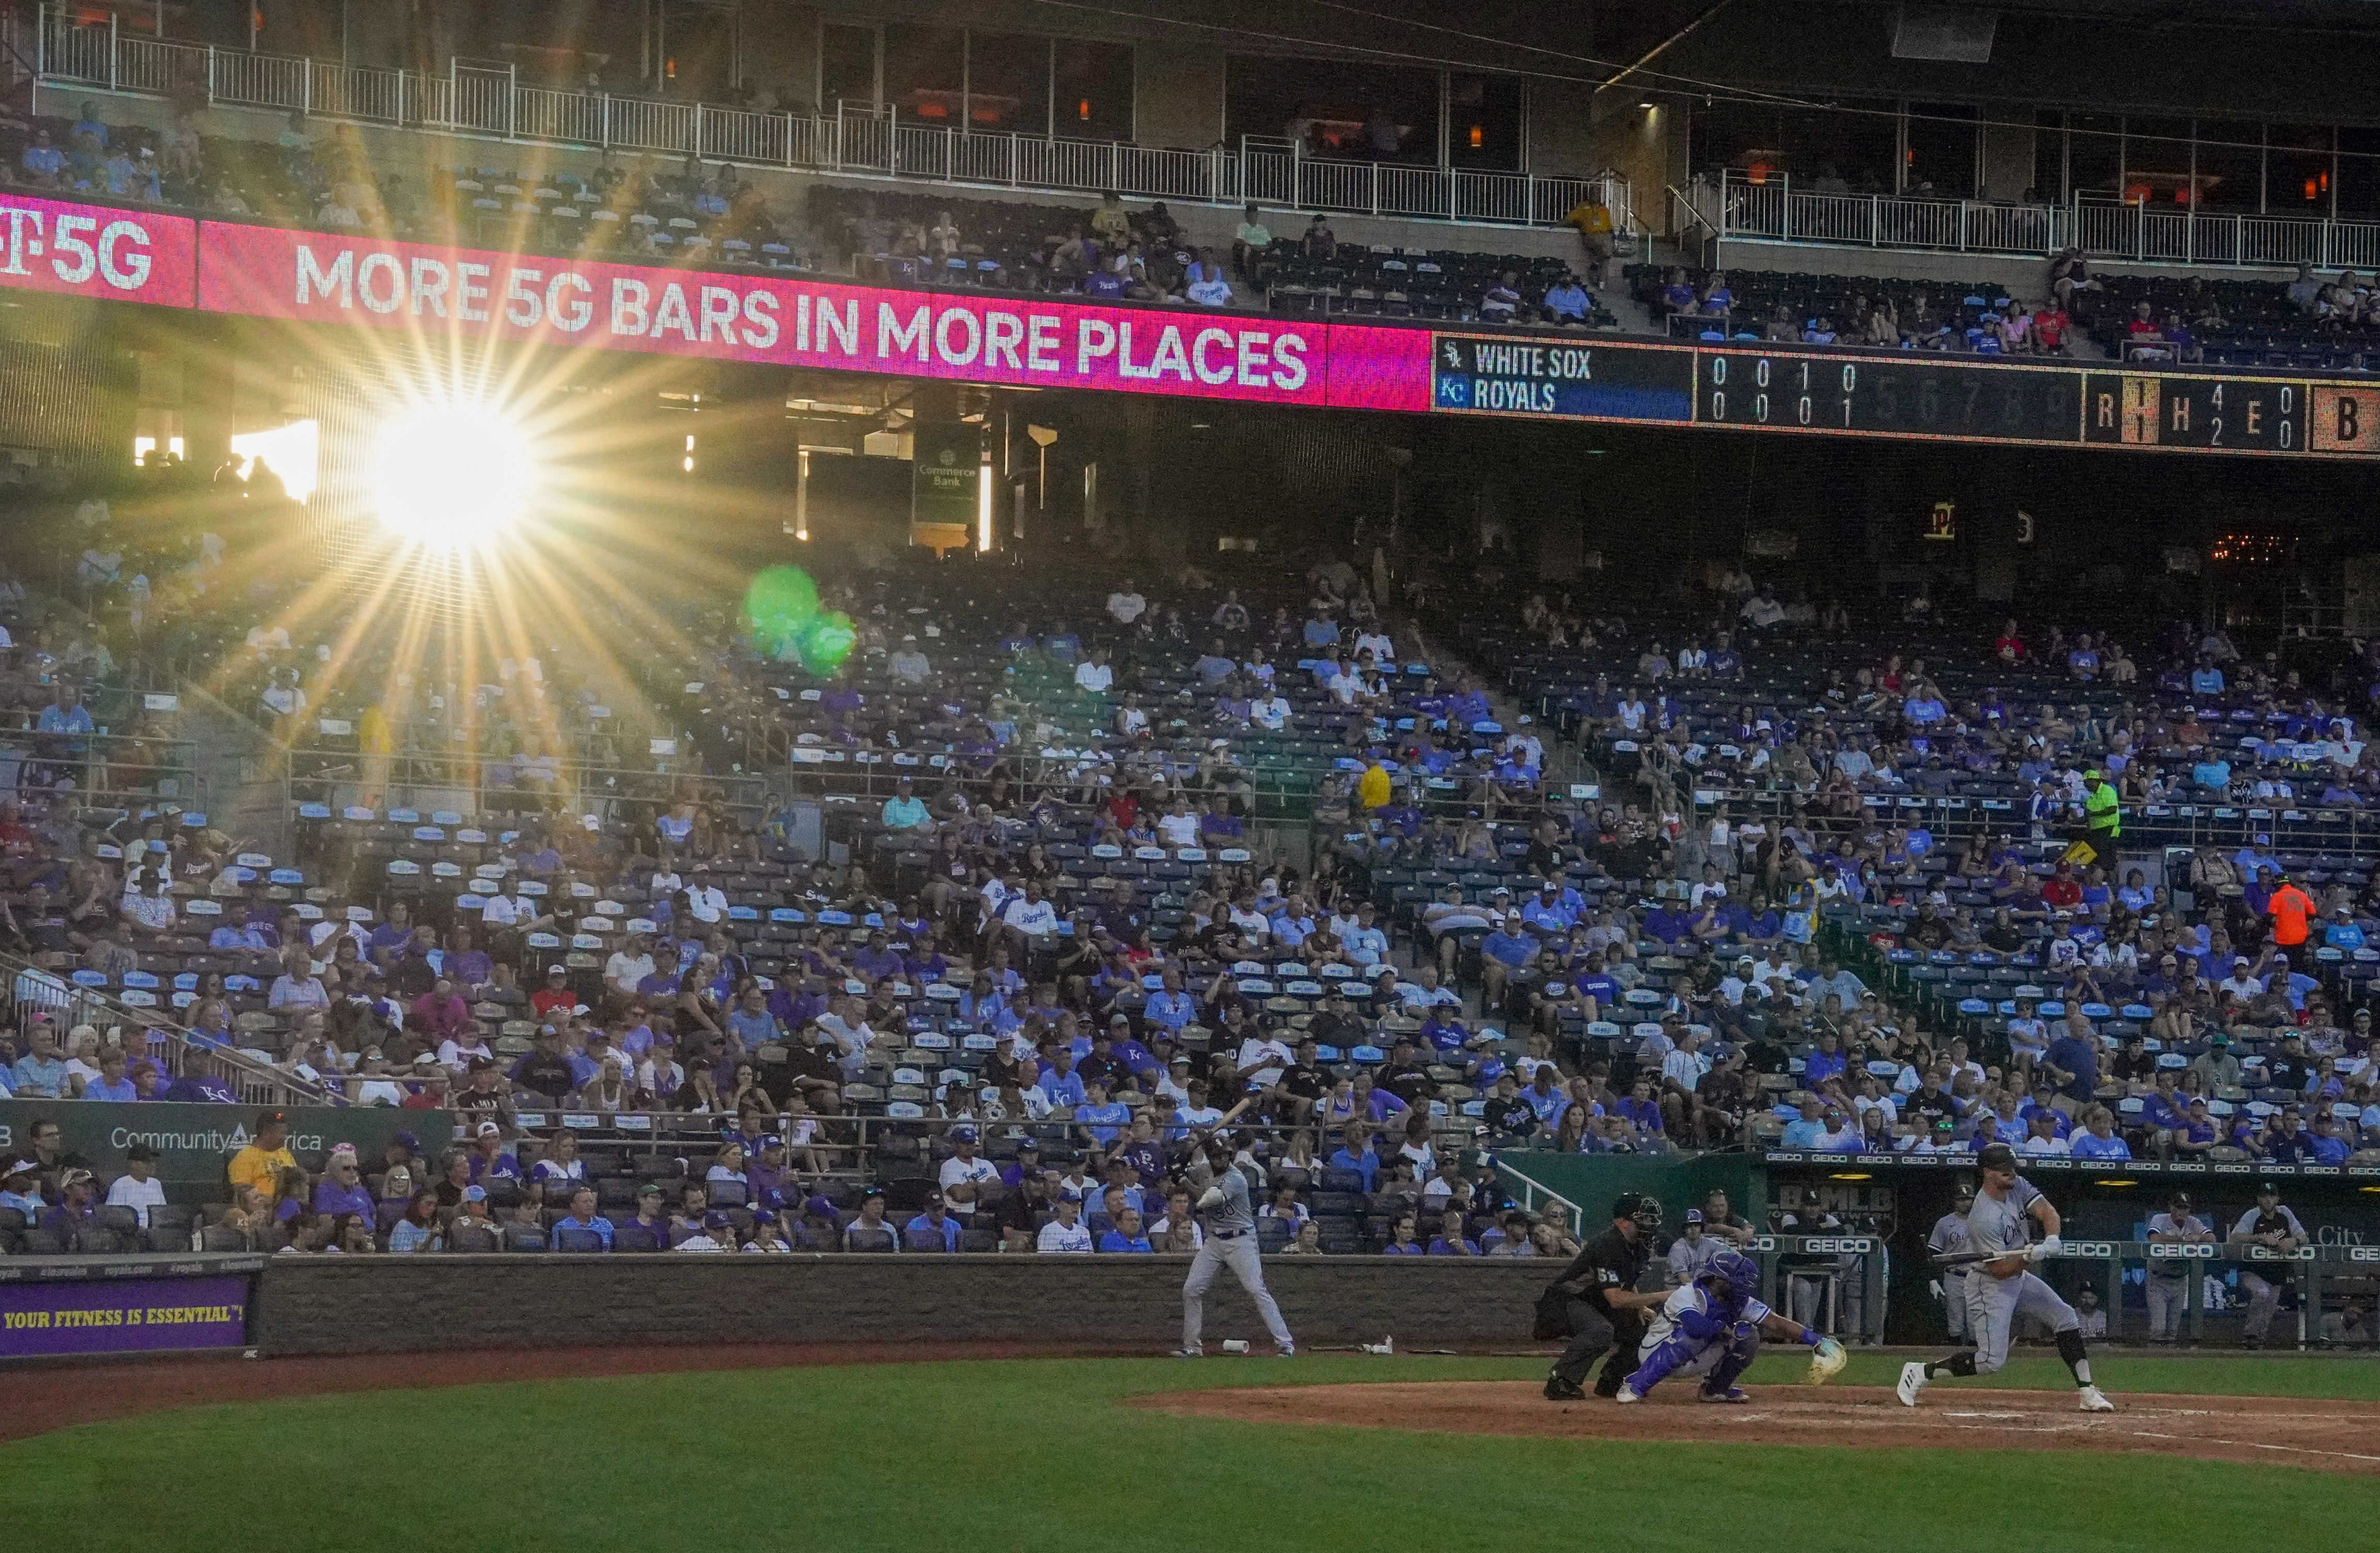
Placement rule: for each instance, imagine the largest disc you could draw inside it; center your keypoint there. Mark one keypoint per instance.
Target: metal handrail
(33, 990)
(88, 766)
(1772, 211)
(1533, 1191)
(467, 772)
(852, 139)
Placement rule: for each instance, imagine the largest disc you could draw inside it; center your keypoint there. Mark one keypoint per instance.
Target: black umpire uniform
(1579, 1303)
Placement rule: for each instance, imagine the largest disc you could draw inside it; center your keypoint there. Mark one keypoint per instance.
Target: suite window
(925, 72)
(1938, 150)
(2230, 167)
(1484, 120)
(846, 66)
(1008, 83)
(2095, 156)
(1094, 90)
(2298, 168)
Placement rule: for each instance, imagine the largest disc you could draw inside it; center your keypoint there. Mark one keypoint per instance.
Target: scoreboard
(1582, 380)
(1887, 395)
(1790, 389)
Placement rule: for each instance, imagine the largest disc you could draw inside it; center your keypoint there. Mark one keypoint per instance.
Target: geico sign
(2362, 1253)
(2203, 1253)
(1841, 1242)
(2099, 1248)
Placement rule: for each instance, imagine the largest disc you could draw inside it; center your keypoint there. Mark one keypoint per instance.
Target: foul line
(2251, 1445)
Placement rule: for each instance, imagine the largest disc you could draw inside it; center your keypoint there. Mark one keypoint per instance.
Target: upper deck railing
(855, 139)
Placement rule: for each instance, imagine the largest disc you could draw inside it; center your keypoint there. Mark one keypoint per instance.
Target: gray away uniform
(1947, 1239)
(1231, 1240)
(1998, 1226)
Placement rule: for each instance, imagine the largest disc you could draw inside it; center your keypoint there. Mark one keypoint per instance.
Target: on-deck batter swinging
(2000, 1286)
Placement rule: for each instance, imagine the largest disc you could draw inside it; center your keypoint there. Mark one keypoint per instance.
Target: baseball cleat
(1913, 1380)
(1560, 1390)
(1189, 1353)
(1733, 1394)
(2093, 1400)
(1626, 1393)
(1288, 1350)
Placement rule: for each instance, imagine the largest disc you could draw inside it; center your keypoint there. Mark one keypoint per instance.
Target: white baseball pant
(1239, 1253)
(1993, 1304)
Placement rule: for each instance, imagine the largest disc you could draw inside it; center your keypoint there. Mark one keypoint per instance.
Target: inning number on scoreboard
(1767, 390)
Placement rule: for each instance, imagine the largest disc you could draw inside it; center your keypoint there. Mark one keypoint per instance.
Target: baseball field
(769, 1450)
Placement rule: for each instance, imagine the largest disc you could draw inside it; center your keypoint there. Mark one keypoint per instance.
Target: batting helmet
(1996, 1156)
(1739, 1272)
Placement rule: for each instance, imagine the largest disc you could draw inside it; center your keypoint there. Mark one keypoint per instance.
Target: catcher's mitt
(1826, 1360)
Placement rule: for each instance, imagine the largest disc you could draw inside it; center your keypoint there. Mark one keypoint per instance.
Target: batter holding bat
(1230, 1239)
(2000, 1284)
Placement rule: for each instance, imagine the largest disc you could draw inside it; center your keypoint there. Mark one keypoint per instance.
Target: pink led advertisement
(92, 251)
(991, 337)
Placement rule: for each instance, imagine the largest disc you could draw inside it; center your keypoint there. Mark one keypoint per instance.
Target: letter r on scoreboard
(2346, 419)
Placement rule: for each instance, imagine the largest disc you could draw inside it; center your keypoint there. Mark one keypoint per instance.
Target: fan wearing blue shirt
(1805, 1129)
(1059, 1079)
(582, 1216)
(935, 1225)
(1507, 950)
(1104, 1119)
(1127, 1236)
(1169, 1007)
(2098, 1141)
(1355, 1154)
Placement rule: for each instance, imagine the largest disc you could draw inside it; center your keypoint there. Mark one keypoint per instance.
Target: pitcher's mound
(2272, 1431)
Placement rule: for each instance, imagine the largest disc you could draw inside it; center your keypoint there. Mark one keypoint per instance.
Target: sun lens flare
(451, 476)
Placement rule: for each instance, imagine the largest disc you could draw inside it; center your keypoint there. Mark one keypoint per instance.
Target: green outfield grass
(1034, 1455)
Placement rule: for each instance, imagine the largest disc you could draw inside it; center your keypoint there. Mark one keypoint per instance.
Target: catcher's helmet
(1742, 1274)
(1997, 1156)
(1645, 1209)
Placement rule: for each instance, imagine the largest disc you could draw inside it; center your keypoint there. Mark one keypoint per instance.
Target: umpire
(1596, 1306)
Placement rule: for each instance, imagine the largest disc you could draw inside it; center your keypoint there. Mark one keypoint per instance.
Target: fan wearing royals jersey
(1712, 1328)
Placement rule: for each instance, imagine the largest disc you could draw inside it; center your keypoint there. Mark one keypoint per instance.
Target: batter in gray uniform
(1231, 1240)
(2000, 1285)
(1949, 1238)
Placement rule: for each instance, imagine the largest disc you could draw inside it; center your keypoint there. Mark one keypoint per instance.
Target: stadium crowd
(1095, 864)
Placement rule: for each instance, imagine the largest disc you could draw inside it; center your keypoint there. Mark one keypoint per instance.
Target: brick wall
(408, 1304)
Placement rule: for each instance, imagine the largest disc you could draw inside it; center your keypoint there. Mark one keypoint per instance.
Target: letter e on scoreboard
(2346, 419)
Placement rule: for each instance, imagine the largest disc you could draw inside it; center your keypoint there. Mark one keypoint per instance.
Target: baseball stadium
(1077, 774)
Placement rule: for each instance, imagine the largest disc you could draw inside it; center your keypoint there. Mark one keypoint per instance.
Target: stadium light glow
(983, 508)
(292, 451)
(451, 476)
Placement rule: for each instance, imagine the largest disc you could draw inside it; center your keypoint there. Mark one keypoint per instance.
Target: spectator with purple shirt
(490, 1160)
(764, 1174)
(342, 1188)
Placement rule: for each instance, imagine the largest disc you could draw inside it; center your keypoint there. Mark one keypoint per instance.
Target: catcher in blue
(2003, 1250)
(1711, 1328)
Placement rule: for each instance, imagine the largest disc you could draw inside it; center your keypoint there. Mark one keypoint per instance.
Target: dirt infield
(2326, 1436)
(62, 1395)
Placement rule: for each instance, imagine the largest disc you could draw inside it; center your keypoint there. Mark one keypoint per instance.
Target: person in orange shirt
(2288, 908)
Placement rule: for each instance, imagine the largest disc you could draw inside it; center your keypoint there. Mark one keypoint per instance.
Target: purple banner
(38, 1321)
